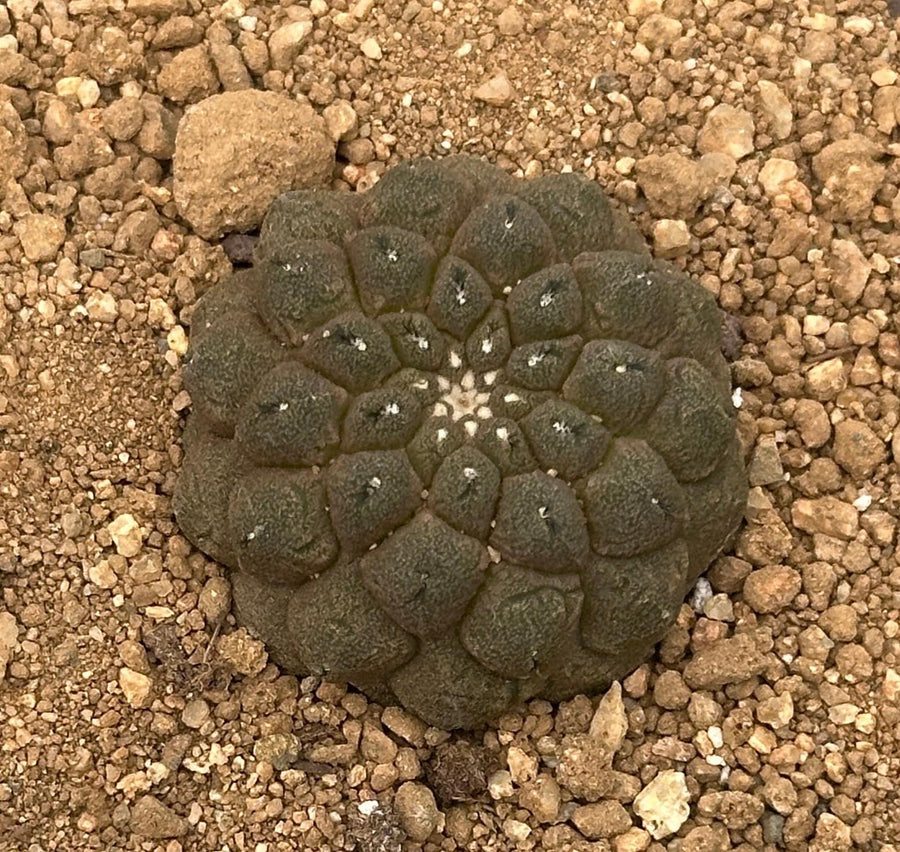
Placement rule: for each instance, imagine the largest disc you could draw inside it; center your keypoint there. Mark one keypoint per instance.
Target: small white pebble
(703, 591)
(88, 93)
(500, 784)
(371, 49)
(232, 10)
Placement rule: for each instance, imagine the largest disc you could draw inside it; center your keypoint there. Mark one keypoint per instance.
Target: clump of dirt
(458, 771)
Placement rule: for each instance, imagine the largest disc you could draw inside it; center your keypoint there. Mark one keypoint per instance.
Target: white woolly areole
(465, 399)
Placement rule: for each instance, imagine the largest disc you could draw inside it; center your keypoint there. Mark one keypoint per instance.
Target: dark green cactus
(461, 439)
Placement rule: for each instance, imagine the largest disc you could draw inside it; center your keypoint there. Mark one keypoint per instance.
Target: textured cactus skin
(461, 440)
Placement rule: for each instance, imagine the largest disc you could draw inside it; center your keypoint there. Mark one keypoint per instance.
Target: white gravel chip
(136, 687)
(610, 723)
(663, 804)
(126, 535)
(497, 91)
(371, 49)
(101, 307)
(285, 43)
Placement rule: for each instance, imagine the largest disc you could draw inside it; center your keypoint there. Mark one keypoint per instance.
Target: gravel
(764, 131)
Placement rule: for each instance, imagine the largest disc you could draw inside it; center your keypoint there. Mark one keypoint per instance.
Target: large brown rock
(235, 152)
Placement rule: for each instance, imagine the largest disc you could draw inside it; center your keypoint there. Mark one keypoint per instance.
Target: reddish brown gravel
(754, 142)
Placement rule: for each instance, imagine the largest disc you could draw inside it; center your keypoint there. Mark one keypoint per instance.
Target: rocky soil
(755, 143)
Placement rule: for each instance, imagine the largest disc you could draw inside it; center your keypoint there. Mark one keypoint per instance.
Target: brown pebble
(858, 449)
(827, 515)
(601, 820)
(152, 818)
(725, 661)
(416, 810)
(771, 589)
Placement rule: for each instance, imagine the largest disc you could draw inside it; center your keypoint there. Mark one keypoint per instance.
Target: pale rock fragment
(663, 804)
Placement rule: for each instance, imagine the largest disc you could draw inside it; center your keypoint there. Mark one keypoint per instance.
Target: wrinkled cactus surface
(460, 439)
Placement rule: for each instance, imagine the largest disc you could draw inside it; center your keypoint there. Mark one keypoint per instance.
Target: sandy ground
(754, 143)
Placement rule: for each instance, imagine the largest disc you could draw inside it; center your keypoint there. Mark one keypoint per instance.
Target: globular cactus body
(461, 439)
